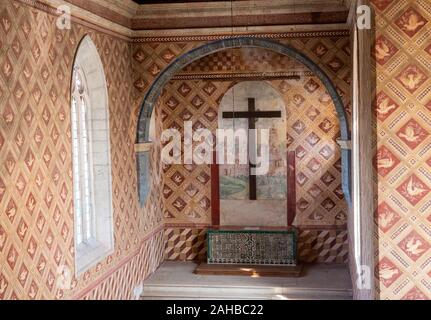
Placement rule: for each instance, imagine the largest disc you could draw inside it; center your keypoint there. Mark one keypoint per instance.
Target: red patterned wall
(36, 210)
(403, 165)
(312, 128)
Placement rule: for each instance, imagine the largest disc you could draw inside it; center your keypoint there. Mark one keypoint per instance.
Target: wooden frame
(361, 225)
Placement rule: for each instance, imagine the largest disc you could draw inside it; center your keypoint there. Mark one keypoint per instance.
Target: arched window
(92, 198)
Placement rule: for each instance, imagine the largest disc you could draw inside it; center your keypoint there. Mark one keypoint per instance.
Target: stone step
(164, 292)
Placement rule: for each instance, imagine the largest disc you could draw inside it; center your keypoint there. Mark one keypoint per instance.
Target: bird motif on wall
(303, 205)
(411, 79)
(140, 84)
(197, 101)
(382, 50)
(139, 56)
(387, 272)
(37, 94)
(168, 56)
(178, 205)
(8, 117)
(2, 240)
(385, 106)
(328, 205)
(210, 114)
(18, 93)
(6, 24)
(386, 218)
(326, 153)
(204, 204)
(414, 189)
(301, 179)
(36, 52)
(154, 69)
(166, 191)
(7, 69)
(26, 72)
(23, 276)
(412, 23)
(12, 257)
(39, 180)
(315, 191)
(410, 134)
(11, 213)
(327, 179)
(177, 179)
(334, 64)
(316, 216)
(298, 100)
(315, 166)
(191, 191)
(201, 179)
(385, 163)
(313, 139)
(413, 246)
(32, 293)
(311, 86)
(325, 98)
(187, 116)
(341, 216)
(326, 125)
(339, 192)
(320, 50)
(171, 103)
(312, 113)
(31, 248)
(40, 223)
(184, 90)
(22, 230)
(298, 126)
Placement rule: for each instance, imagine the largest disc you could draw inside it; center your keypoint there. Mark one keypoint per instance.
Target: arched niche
(270, 187)
(153, 93)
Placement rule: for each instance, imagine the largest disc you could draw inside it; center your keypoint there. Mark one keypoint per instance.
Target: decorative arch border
(153, 93)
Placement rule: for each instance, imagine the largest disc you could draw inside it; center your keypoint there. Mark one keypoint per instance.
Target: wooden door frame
(361, 218)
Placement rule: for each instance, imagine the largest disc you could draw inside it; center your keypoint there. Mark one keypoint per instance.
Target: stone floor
(176, 280)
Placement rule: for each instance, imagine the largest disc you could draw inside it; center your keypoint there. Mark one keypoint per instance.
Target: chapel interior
(115, 180)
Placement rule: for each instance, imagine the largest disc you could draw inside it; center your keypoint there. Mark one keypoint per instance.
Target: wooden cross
(252, 115)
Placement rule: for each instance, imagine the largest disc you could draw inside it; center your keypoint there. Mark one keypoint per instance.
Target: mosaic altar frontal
(261, 247)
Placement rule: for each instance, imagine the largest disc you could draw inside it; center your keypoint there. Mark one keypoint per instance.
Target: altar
(252, 246)
(252, 214)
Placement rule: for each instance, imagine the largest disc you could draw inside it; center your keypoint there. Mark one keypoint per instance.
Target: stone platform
(248, 270)
(177, 280)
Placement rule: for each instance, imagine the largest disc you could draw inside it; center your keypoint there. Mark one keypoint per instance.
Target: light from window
(82, 164)
(92, 196)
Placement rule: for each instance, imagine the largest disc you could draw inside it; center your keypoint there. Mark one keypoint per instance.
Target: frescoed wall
(237, 208)
(36, 209)
(402, 55)
(312, 128)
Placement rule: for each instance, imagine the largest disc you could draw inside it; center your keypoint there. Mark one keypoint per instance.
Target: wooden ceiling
(174, 14)
(203, 14)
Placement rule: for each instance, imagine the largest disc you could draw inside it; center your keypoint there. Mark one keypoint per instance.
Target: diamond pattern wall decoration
(36, 230)
(403, 149)
(36, 209)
